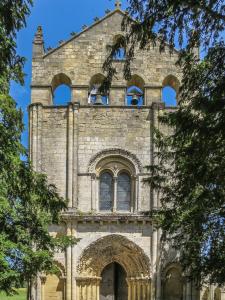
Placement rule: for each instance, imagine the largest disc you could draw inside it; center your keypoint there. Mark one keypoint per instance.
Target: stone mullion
(75, 154)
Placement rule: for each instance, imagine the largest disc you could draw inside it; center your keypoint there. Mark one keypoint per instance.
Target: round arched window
(106, 191)
(123, 192)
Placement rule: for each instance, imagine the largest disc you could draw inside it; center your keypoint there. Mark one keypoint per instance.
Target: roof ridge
(84, 30)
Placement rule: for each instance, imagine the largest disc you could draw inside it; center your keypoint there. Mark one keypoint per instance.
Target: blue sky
(58, 18)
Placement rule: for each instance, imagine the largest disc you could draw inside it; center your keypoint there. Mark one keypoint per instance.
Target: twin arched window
(115, 192)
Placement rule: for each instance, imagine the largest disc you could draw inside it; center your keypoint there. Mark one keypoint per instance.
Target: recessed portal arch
(173, 283)
(129, 259)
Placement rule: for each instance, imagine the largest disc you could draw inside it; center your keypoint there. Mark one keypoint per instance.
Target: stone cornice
(72, 215)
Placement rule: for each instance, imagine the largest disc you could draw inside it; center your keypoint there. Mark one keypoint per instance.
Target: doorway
(113, 285)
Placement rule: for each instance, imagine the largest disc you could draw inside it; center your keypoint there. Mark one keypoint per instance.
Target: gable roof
(117, 10)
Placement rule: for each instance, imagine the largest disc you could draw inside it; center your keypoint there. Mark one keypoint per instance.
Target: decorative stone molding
(114, 248)
(115, 152)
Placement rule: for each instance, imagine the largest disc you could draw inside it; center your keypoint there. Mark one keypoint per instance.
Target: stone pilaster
(75, 153)
(70, 144)
(35, 141)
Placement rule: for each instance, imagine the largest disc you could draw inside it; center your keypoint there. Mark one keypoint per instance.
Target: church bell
(98, 100)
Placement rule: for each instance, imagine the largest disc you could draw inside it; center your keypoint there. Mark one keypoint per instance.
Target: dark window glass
(123, 192)
(106, 191)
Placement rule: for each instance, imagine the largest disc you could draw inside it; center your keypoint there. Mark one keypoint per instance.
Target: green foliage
(12, 18)
(192, 184)
(190, 171)
(21, 295)
(28, 204)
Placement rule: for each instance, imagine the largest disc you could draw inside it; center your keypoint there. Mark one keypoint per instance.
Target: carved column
(129, 284)
(98, 290)
(139, 288)
(88, 288)
(114, 194)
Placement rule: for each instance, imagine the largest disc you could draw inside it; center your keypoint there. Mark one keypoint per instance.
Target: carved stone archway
(113, 152)
(106, 250)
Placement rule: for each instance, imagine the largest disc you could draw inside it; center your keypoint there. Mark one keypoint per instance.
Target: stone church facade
(95, 149)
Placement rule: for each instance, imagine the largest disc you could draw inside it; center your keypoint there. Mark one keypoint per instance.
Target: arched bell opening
(135, 91)
(113, 283)
(96, 95)
(61, 89)
(170, 91)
